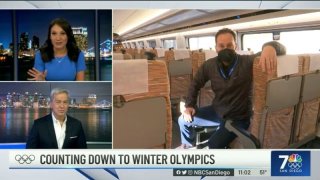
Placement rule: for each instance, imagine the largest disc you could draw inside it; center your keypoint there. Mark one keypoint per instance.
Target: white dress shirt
(59, 130)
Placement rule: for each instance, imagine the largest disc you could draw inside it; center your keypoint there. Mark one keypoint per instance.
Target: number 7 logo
(285, 160)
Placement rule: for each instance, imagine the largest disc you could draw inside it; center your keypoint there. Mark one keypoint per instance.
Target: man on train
(231, 82)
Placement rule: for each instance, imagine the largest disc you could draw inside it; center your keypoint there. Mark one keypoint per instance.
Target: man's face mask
(227, 57)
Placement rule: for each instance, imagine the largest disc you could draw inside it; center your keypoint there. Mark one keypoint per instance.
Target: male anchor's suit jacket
(42, 135)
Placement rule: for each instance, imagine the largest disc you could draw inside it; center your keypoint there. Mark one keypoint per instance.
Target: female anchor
(59, 59)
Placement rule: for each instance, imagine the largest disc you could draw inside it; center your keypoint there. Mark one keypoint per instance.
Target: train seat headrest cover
(130, 76)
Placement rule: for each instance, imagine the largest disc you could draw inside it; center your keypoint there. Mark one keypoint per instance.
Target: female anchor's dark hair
(46, 50)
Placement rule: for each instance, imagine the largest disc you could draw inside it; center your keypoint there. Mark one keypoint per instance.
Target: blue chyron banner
(290, 163)
(166, 164)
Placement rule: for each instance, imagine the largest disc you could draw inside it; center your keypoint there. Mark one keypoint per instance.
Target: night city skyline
(32, 31)
(18, 112)
(5, 28)
(103, 90)
(36, 23)
(22, 103)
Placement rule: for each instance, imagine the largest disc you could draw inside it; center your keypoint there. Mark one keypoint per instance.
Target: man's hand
(268, 59)
(188, 113)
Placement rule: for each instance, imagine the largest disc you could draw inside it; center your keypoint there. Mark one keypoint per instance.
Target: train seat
(275, 98)
(307, 119)
(142, 105)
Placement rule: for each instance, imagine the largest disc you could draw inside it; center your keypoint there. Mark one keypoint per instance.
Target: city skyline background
(36, 23)
(32, 31)
(77, 90)
(5, 28)
(16, 121)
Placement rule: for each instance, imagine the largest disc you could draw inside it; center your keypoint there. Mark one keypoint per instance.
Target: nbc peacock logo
(295, 163)
(290, 163)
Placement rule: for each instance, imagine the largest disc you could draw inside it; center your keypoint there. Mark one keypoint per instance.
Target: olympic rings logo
(295, 165)
(25, 158)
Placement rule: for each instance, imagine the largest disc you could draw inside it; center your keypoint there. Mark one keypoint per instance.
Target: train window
(299, 42)
(254, 42)
(141, 44)
(169, 43)
(152, 43)
(296, 42)
(205, 42)
(133, 44)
